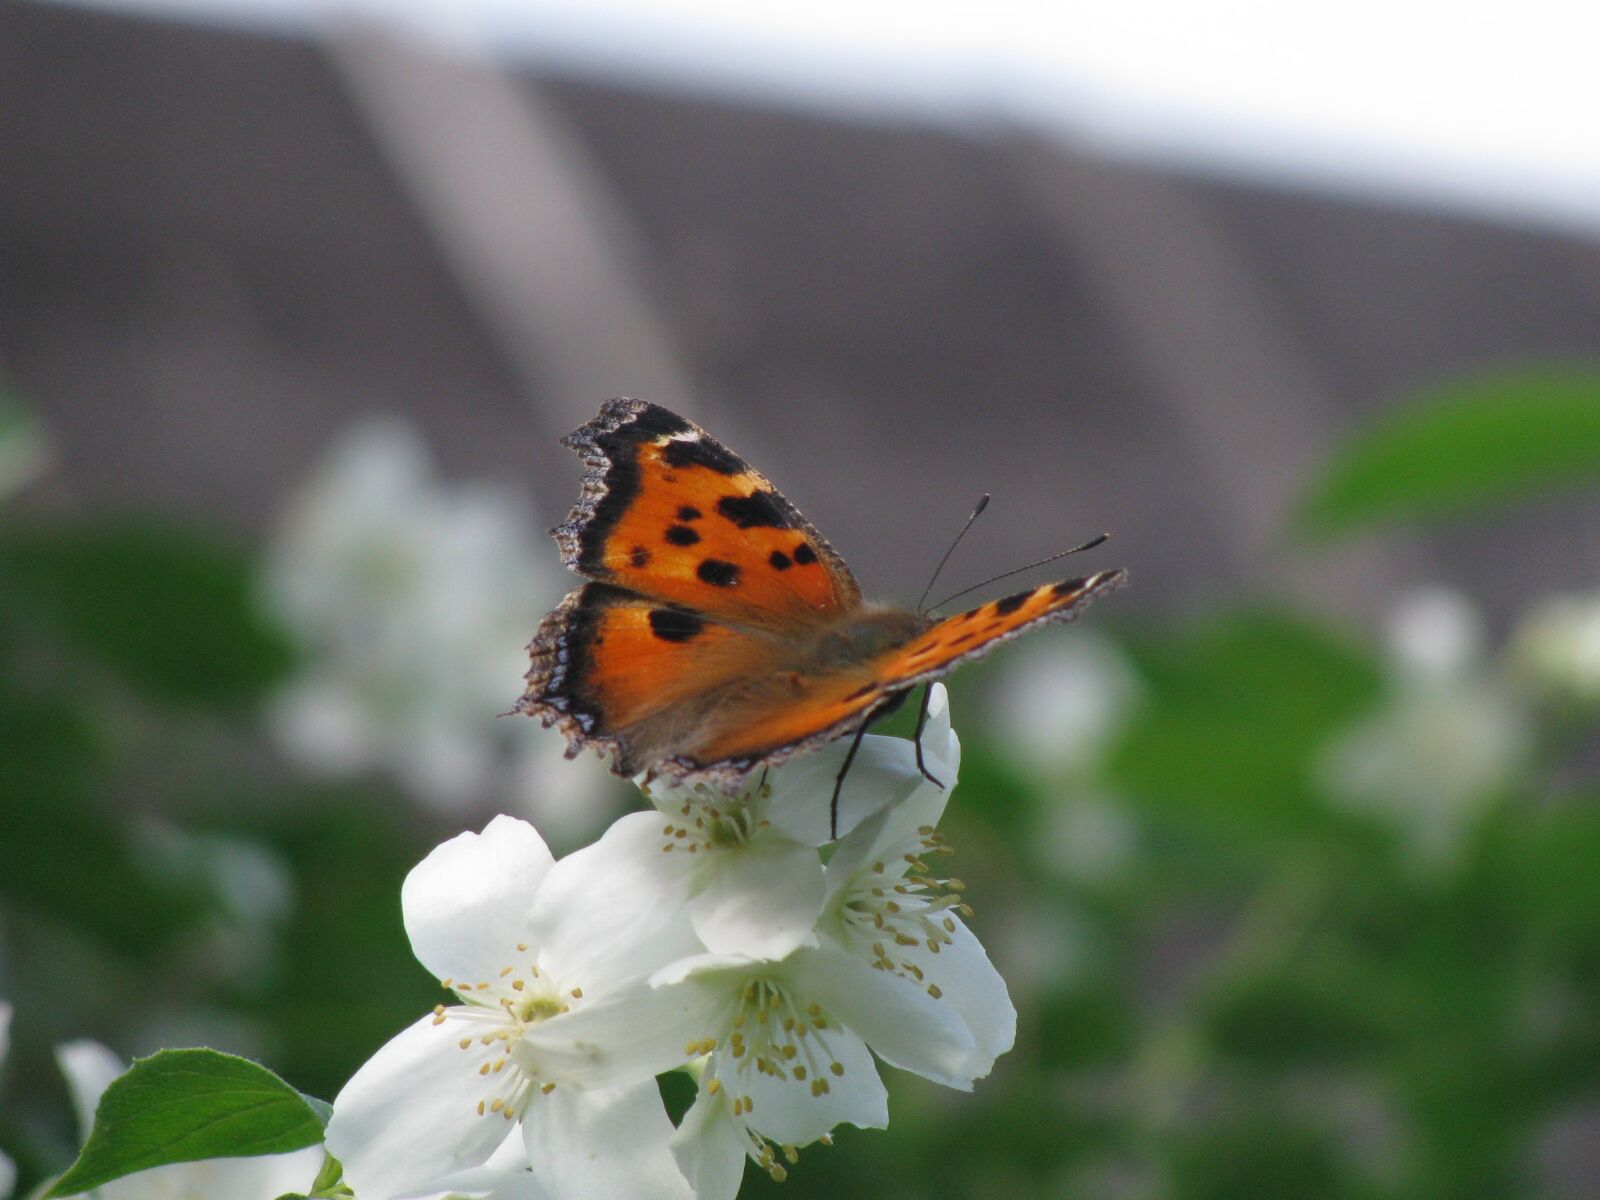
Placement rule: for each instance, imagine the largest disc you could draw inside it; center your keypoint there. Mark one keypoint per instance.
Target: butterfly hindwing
(827, 706)
(669, 512)
(631, 673)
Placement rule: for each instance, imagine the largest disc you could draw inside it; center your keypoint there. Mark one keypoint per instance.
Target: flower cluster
(1449, 736)
(410, 596)
(706, 934)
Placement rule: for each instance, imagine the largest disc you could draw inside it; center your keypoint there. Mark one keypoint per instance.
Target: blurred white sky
(1484, 105)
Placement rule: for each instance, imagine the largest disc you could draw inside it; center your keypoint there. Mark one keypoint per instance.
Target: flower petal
(466, 904)
(883, 772)
(885, 836)
(632, 1033)
(789, 1113)
(974, 990)
(505, 1176)
(905, 1026)
(89, 1069)
(409, 1116)
(265, 1177)
(710, 1148)
(616, 909)
(938, 739)
(700, 965)
(760, 899)
(611, 1143)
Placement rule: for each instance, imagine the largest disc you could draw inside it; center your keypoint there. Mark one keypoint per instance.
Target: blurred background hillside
(1289, 853)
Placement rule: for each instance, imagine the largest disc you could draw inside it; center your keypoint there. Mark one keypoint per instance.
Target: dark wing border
(551, 694)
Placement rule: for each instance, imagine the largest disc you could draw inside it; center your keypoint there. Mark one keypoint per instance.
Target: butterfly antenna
(1089, 545)
(978, 508)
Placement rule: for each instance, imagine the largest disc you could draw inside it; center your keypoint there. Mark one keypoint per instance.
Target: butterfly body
(719, 632)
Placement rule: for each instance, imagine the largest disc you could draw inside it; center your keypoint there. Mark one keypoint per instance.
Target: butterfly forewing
(825, 706)
(669, 512)
(633, 673)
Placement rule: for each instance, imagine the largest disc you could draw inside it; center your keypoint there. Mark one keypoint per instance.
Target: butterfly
(719, 634)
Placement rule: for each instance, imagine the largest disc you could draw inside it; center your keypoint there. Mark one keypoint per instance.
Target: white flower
(890, 969)
(413, 600)
(1058, 706)
(746, 867)
(889, 904)
(1435, 633)
(555, 1038)
(787, 1052)
(1557, 648)
(1055, 711)
(1445, 742)
(89, 1068)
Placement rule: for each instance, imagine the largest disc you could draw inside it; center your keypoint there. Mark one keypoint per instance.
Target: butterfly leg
(922, 720)
(833, 807)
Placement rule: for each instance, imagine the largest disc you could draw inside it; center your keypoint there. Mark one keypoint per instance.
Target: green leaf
(171, 613)
(330, 1178)
(1463, 448)
(64, 858)
(186, 1106)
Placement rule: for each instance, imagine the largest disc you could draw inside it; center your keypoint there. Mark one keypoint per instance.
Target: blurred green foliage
(1261, 993)
(1462, 448)
(167, 613)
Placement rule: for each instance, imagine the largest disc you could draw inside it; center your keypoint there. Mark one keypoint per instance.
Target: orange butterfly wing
(837, 703)
(670, 513)
(629, 673)
(698, 649)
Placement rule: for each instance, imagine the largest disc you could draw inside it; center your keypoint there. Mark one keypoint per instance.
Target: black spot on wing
(804, 554)
(758, 508)
(1010, 604)
(780, 561)
(681, 535)
(674, 624)
(718, 573)
(1067, 586)
(689, 512)
(701, 452)
(638, 557)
